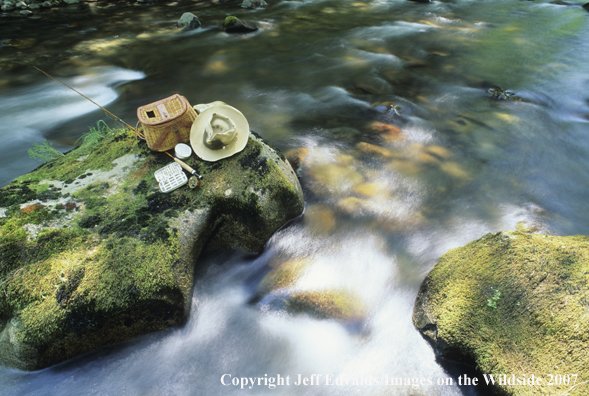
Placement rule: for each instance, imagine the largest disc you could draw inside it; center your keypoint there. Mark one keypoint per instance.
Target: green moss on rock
(121, 262)
(512, 303)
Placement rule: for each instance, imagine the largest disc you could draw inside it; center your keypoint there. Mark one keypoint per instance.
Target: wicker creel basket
(166, 122)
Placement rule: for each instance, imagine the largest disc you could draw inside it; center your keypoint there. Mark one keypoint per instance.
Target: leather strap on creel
(139, 134)
(166, 132)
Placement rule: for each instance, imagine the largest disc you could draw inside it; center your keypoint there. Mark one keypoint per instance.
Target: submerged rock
(279, 289)
(296, 157)
(120, 261)
(586, 6)
(511, 303)
(327, 304)
(284, 275)
(320, 219)
(253, 3)
(235, 25)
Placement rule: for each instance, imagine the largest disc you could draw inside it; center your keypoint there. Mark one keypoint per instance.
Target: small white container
(182, 151)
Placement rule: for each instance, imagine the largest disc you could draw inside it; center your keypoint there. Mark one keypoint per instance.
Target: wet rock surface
(233, 24)
(189, 21)
(93, 253)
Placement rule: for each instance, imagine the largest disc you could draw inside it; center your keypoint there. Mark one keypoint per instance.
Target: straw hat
(219, 132)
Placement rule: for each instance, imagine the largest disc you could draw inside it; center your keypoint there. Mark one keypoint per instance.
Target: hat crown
(219, 132)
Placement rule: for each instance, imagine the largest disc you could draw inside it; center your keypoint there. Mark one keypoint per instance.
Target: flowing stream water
(410, 149)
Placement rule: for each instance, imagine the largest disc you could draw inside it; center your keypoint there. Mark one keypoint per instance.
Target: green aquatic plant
(44, 152)
(492, 302)
(95, 135)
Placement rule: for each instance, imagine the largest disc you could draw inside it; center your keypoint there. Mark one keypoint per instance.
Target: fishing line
(116, 118)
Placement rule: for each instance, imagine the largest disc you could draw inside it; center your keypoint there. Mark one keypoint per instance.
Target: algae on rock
(512, 303)
(92, 253)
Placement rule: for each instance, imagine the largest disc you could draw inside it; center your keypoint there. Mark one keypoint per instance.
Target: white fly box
(170, 177)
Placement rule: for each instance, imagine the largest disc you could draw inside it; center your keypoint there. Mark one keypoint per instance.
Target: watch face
(193, 182)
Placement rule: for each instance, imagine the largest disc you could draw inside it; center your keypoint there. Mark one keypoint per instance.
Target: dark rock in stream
(235, 25)
(586, 6)
(512, 303)
(121, 261)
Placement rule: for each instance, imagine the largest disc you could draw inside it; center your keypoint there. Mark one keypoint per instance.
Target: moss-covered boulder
(91, 252)
(513, 304)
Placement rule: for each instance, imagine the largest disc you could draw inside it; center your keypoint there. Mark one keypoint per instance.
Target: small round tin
(182, 151)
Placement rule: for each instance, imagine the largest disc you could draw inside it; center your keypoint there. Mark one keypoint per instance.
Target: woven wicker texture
(166, 122)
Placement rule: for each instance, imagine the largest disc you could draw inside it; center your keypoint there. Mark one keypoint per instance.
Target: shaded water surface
(421, 127)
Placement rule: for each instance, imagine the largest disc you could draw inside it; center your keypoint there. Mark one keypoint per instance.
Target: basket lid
(162, 111)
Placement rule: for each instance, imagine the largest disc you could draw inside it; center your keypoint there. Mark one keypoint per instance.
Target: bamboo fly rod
(85, 97)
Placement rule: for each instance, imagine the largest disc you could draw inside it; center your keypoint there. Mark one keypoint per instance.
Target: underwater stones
(586, 6)
(344, 133)
(334, 177)
(279, 289)
(296, 157)
(327, 304)
(405, 166)
(320, 219)
(371, 149)
(438, 151)
(455, 170)
(426, 158)
(253, 3)
(351, 205)
(373, 86)
(387, 132)
(122, 264)
(233, 24)
(372, 190)
(511, 303)
(188, 21)
(283, 275)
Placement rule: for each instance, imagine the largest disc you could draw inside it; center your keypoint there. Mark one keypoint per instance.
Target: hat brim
(198, 128)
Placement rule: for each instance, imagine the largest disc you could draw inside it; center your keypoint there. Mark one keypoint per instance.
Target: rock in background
(189, 21)
(233, 24)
